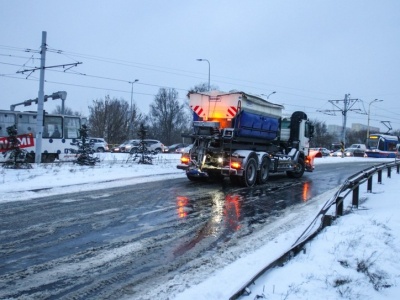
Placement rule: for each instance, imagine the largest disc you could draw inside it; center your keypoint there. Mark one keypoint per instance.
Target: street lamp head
(209, 68)
(274, 92)
(132, 82)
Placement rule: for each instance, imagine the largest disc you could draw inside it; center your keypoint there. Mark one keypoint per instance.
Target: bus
(59, 131)
(382, 145)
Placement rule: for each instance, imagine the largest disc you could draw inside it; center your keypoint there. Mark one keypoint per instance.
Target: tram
(59, 131)
(381, 145)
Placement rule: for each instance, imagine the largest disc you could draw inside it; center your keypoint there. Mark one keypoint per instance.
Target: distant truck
(245, 137)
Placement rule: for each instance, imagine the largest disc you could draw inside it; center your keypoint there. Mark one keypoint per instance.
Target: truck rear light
(185, 160)
(235, 165)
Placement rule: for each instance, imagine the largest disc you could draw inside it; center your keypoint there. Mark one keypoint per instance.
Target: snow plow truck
(245, 137)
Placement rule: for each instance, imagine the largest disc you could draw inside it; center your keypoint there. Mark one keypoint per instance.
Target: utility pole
(131, 110)
(39, 118)
(347, 106)
(40, 111)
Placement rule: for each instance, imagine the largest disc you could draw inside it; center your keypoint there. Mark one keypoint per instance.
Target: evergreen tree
(15, 158)
(85, 151)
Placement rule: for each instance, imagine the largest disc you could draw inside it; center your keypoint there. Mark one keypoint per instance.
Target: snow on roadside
(65, 177)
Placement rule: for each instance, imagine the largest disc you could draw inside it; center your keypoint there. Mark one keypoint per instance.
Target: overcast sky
(309, 52)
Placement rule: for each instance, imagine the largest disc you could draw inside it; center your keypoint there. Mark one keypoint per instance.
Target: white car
(184, 149)
(151, 145)
(337, 153)
(98, 144)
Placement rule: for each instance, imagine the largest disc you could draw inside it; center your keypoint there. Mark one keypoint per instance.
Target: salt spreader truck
(245, 137)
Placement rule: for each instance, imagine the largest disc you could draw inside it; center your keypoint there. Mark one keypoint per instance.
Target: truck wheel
(263, 174)
(299, 170)
(250, 173)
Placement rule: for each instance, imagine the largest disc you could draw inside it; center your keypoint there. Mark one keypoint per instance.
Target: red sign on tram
(26, 141)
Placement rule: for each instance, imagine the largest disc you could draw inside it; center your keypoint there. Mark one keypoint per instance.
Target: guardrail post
(369, 185)
(356, 196)
(339, 206)
(389, 172)
(398, 169)
(379, 176)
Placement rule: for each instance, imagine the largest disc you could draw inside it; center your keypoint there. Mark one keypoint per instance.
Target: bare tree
(167, 116)
(67, 111)
(202, 87)
(321, 136)
(113, 120)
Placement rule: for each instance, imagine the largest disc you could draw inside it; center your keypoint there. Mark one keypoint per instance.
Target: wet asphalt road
(114, 243)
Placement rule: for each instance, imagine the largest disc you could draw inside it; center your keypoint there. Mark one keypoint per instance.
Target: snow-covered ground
(356, 257)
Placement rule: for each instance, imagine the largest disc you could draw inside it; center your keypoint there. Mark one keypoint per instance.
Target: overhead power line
(347, 106)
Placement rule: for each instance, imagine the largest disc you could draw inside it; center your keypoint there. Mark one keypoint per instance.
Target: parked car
(151, 145)
(126, 146)
(98, 144)
(348, 152)
(337, 153)
(173, 148)
(357, 150)
(324, 151)
(184, 149)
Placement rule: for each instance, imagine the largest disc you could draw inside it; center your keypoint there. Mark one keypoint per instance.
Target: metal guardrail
(322, 219)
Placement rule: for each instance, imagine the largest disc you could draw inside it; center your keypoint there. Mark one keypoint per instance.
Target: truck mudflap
(309, 167)
(309, 160)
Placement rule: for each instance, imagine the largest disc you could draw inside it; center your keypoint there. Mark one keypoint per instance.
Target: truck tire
(250, 173)
(263, 174)
(299, 171)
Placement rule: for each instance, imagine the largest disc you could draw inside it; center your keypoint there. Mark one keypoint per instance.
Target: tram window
(71, 127)
(392, 146)
(6, 120)
(26, 123)
(381, 145)
(52, 127)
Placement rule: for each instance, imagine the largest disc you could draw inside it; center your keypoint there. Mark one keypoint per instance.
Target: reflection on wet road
(233, 209)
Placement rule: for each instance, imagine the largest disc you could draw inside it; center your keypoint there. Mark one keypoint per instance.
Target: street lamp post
(274, 92)
(369, 111)
(209, 68)
(130, 117)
